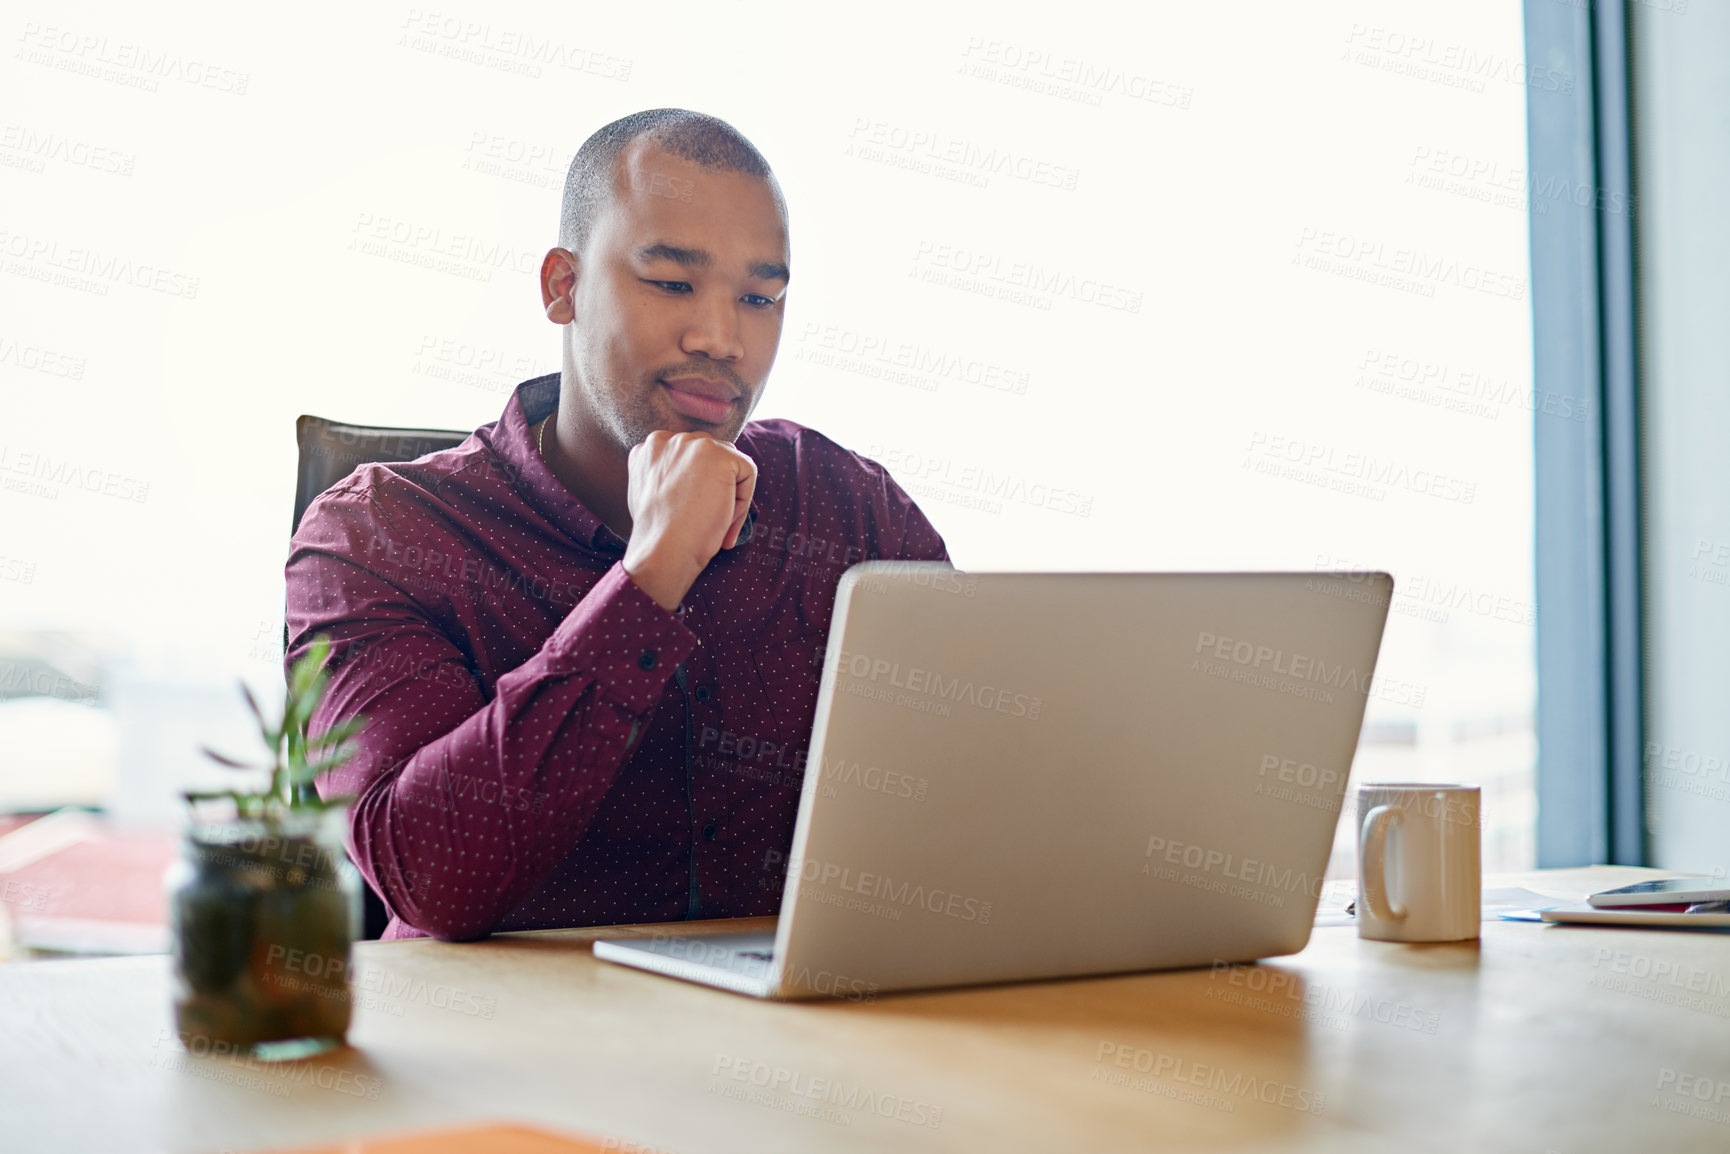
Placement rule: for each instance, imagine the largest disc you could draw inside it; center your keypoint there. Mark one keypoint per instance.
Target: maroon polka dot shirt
(545, 745)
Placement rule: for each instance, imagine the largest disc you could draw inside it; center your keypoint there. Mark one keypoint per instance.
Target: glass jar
(264, 918)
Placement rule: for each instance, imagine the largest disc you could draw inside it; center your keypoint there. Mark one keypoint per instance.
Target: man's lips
(701, 399)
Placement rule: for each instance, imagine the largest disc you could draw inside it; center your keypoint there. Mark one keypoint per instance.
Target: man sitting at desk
(587, 640)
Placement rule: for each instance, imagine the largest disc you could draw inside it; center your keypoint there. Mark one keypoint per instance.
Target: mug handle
(1372, 862)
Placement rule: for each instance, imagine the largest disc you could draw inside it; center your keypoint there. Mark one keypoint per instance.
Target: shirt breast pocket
(791, 673)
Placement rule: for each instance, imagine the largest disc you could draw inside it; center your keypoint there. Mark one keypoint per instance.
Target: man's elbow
(455, 932)
(447, 925)
(437, 919)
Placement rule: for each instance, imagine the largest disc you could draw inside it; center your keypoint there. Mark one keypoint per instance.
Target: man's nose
(714, 329)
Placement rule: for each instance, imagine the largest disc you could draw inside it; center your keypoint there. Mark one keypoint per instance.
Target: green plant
(295, 761)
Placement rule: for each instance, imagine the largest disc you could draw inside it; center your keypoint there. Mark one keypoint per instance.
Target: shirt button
(703, 694)
(648, 660)
(709, 832)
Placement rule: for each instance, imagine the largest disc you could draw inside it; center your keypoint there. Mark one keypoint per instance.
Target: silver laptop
(1040, 775)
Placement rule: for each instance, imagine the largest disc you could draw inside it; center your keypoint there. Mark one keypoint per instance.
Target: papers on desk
(496, 1139)
(1502, 903)
(1334, 909)
(1339, 896)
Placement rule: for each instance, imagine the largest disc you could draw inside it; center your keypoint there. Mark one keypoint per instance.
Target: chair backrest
(330, 451)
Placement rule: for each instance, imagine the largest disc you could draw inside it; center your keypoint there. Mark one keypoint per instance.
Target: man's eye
(672, 286)
(758, 300)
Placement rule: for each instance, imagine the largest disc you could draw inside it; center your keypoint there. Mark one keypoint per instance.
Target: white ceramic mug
(1418, 862)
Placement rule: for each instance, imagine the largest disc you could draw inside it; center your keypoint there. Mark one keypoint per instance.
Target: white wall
(1317, 214)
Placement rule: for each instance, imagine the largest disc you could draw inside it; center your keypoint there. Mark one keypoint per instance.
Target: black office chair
(330, 451)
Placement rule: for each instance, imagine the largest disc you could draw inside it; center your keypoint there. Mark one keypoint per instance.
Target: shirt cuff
(624, 639)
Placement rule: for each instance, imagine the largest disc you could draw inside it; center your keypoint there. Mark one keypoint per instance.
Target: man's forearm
(464, 805)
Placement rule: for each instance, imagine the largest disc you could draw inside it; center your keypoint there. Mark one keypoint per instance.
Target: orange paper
(493, 1139)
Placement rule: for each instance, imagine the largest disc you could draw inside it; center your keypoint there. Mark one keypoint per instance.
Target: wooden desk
(1538, 1039)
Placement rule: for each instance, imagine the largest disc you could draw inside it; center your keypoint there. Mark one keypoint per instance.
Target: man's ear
(559, 285)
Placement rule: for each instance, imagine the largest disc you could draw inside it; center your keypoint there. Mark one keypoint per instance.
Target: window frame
(1590, 723)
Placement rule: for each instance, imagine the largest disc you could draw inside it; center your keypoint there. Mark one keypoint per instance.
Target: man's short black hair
(707, 141)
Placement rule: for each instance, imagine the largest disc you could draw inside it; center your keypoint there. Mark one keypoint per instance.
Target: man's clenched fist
(688, 494)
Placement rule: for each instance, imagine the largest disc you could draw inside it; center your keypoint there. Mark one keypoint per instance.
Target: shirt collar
(546, 494)
(530, 402)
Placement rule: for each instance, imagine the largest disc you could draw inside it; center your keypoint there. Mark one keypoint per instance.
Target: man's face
(677, 300)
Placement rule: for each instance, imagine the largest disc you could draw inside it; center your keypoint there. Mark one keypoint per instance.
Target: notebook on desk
(1662, 917)
(1037, 775)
